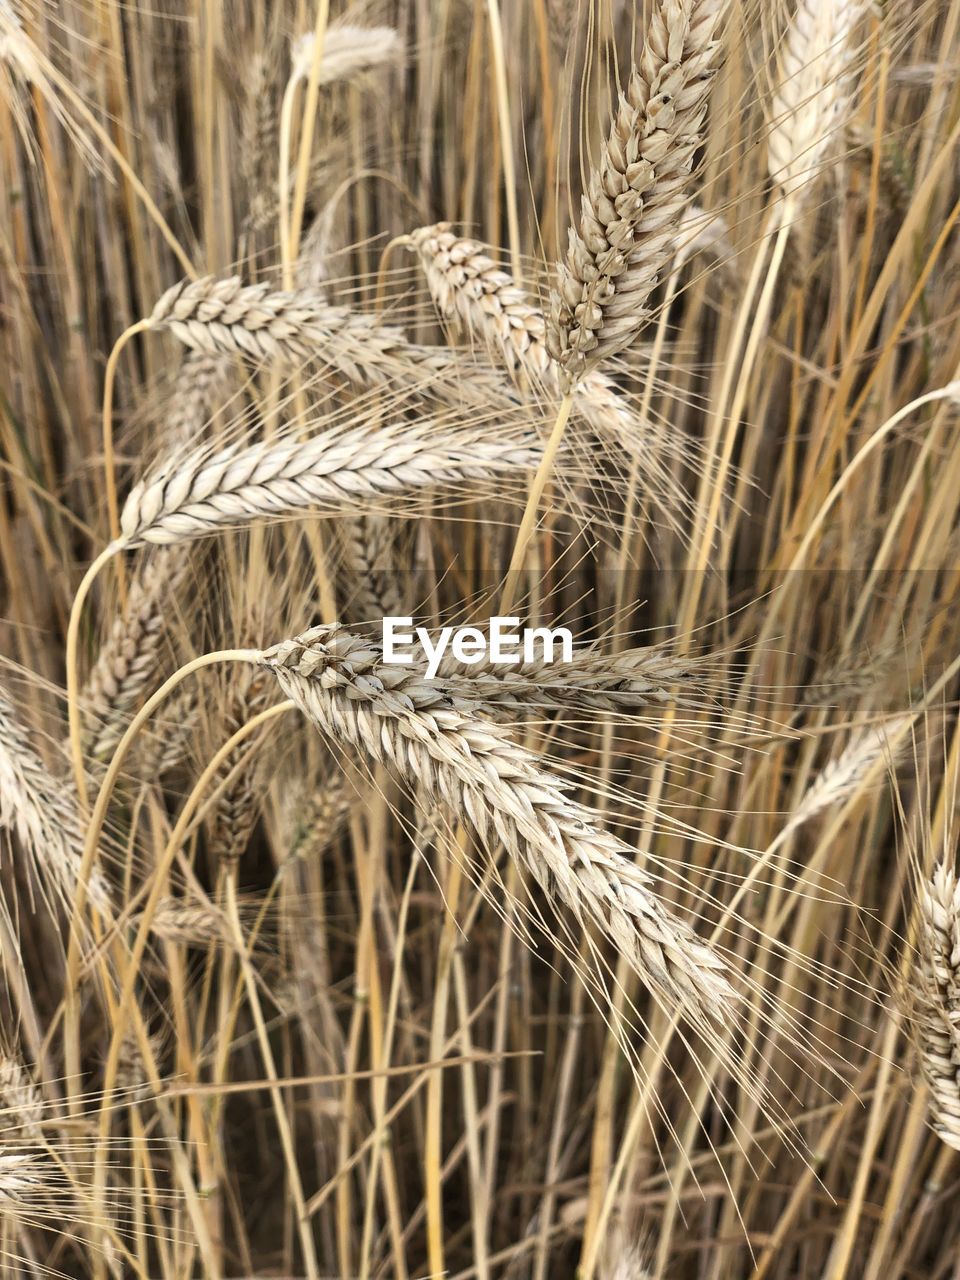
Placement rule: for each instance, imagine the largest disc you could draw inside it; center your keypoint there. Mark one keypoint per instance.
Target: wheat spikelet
(41, 811)
(339, 470)
(637, 194)
(813, 89)
(501, 790)
(348, 52)
(937, 998)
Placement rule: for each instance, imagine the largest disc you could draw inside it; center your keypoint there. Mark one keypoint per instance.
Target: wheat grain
(501, 790)
(637, 194)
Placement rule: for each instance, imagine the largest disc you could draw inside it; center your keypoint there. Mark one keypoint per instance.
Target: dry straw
(501, 790)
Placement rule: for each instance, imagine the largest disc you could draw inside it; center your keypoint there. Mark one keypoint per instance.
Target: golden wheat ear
(810, 107)
(636, 196)
(935, 997)
(395, 717)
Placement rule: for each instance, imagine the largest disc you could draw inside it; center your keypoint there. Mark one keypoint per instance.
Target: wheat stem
(528, 522)
(73, 673)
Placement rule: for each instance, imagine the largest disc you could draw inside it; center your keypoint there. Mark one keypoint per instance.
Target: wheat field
(635, 321)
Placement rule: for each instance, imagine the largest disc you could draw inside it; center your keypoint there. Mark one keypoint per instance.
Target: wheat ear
(336, 471)
(937, 999)
(348, 51)
(238, 804)
(371, 570)
(226, 317)
(636, 196)
(395, 717)
(813, 90)
(42, 813)
(129, 659)
(469, 286)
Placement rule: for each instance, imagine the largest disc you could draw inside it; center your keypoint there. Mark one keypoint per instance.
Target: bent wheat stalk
(502, 791)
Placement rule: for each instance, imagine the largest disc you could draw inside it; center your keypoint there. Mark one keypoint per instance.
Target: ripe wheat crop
(479, 534)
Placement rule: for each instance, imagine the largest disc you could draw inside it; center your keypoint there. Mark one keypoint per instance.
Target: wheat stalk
(338, 470)
(637, 194)
(502, 791)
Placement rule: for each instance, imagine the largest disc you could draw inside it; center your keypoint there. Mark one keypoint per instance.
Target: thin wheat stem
(73, 672)
(71, 1029)
(109, 464)
(530, 511)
